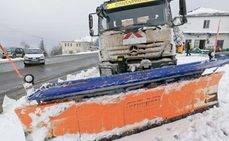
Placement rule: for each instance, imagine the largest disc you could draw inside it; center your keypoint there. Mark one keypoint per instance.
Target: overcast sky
(56, 20)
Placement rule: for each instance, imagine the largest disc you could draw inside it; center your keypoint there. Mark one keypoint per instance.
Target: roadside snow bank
(183, 59)
(90, 73)
(11, 128)
(7, 60)
(9, 105)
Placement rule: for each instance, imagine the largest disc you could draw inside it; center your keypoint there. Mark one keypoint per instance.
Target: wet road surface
(11, 85)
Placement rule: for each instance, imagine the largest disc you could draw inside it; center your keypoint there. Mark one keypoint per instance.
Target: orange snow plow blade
(116, 114)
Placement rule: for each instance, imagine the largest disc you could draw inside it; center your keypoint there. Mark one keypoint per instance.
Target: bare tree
(42, 47)
(57, 50)
(24, 45)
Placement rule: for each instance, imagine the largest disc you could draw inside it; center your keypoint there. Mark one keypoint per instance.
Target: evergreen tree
(42, 47)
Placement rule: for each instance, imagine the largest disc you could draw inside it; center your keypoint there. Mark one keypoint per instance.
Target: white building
(77, 46)
(202, 26)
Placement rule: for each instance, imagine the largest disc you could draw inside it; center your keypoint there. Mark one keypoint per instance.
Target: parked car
(18, 52)
(34, 56)
(14, 53)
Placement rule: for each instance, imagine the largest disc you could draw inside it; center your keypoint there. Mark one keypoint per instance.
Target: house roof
(201, 11)
(85, 39)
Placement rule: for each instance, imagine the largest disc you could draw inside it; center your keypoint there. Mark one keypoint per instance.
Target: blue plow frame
(76, 88)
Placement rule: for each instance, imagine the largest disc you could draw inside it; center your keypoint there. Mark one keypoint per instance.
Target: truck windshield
(149, 15)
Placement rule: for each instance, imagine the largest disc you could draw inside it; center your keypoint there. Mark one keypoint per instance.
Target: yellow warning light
(123, 3)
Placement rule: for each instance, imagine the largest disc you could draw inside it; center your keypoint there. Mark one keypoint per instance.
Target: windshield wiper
(114, 29)
(142, 25)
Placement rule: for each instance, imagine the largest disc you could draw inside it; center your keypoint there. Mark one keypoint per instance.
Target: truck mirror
(183, 11)
(177, 21)
(91, 24)
(90, 21)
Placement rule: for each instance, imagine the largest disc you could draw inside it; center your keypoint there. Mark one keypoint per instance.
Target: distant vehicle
(14, 53)
(34, 56)
(9, 52)
(18, 52)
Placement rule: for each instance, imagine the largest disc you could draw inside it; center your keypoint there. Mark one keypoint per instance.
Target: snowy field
(212, 125)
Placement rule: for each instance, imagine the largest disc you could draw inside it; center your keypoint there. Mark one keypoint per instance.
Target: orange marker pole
(11, 61)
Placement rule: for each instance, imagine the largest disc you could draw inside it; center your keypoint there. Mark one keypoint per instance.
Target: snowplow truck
(135, 34)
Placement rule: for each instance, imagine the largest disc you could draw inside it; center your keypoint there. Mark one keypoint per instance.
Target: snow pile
(9, 105)
(85, 39)
(11, 128)
(183, 59)
(88, 52)
(7, 60)
(93, 72)
(85, 52)
(202, 10)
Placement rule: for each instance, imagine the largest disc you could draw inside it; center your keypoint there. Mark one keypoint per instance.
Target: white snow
(11, 128)
(202, 10)
(90, 73)
(183, 59)
(85, 39)
(85, 52)
(6, 60)
(211, 125)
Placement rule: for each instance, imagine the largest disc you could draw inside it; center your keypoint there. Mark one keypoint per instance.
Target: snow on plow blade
(157, 101)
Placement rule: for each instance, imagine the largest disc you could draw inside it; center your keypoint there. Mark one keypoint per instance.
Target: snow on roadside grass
(182, 59)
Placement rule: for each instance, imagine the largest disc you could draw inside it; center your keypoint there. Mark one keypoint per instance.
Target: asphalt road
(11, 85)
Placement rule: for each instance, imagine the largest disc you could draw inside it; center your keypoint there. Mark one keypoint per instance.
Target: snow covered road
(212, 125)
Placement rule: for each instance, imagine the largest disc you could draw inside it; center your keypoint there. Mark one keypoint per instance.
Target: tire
(26, 65)
(14, 56)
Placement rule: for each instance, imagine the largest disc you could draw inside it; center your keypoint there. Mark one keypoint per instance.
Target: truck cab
(135, 34)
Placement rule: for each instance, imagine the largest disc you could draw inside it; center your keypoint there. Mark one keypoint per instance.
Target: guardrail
(5, 65)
